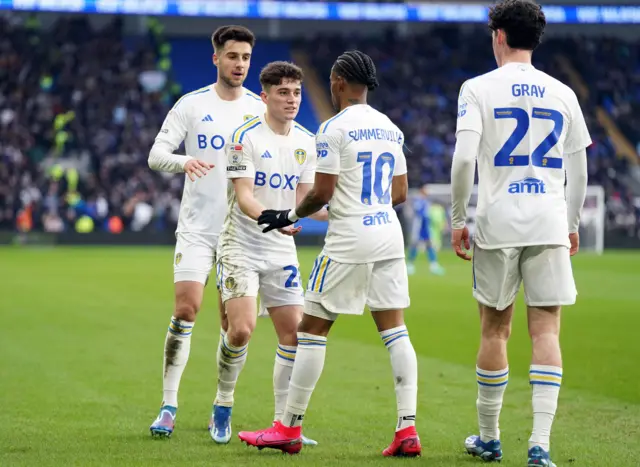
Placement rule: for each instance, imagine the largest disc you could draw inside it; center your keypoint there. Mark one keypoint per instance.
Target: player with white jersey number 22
(362, 173)
(271, 162)
(526, 130)
(204, 120)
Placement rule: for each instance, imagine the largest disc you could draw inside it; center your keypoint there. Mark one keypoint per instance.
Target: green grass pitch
(80, 372)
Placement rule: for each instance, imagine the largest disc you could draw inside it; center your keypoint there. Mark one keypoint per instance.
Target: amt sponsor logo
(527, 185)
(276, 180)
(379, 218)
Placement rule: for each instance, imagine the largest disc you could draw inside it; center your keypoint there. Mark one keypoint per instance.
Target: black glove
(274, 219)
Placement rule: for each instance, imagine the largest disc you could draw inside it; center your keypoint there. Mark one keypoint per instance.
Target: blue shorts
(421, 232)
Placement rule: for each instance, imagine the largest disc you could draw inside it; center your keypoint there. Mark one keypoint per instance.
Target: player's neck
(226, 92)
(278, 127)
(349, 101)
(516, 56)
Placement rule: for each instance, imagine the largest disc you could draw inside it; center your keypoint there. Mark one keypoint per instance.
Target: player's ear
(502, 36)
(263, 96)
(214, 58)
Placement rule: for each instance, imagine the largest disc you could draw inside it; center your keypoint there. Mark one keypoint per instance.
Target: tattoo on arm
(309, 205)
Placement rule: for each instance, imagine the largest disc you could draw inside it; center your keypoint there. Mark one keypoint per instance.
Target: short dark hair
(275, 72)
(523, 22)
(231, 33)
(357, 67)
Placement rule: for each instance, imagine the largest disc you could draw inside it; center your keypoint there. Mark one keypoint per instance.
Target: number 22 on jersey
(372, 180)
(505, 156)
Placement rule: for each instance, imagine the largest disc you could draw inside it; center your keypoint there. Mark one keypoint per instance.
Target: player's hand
(574, 239)
(460, 237)
(274, 219)
(290, 231)
(197, 168)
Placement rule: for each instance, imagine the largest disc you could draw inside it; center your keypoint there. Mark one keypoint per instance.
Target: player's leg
(329, 291)
(432, 256)
(285, 322)
(224, 325)
(193, 261)
(239, 289)
(388, 296)
(281, 294)
(549, 284)
(496, 280)
(224, 322)
(414, 244)
(286, 434)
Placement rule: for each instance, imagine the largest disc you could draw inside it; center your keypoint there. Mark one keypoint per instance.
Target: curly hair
(523, 22)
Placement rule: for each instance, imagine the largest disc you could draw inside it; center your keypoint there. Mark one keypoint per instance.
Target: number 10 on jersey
(383, 194)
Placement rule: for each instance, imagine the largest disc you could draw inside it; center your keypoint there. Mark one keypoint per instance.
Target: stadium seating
(77, 120)
(421, 75)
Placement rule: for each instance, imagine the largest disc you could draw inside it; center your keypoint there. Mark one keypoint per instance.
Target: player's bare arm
(246, 201)
(318, 196)
(315, 200)
(301, 192)
(462, 173)
(399, 189)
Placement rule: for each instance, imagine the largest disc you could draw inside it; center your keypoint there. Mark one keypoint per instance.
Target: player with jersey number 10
(362, 174)
(526, 130)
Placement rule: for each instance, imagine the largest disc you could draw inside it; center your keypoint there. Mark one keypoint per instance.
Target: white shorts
(194, 257)
(545, 271)
(275, 283)
(340, 288)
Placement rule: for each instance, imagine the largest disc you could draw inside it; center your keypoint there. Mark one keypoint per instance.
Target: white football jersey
(276, 163)
(527, 121)
(364, 148)
(205, 122)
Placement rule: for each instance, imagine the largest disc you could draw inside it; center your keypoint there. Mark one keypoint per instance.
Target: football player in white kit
(526, 130)
(271, 162)
(362, 173)
(204, 120)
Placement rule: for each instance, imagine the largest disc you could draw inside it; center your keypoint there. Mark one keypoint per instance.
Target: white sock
(545, 382)
(405, 374)
(491, 387)
(176, 353)
(306, 373)
(282, 369)
(223, 333)
(231, 360)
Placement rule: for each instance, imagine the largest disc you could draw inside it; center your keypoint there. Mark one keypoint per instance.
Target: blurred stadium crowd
(79, 111)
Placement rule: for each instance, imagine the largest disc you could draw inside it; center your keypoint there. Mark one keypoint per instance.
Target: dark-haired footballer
(362, 174)
(271, 161)
(526, 130)
(204, 119)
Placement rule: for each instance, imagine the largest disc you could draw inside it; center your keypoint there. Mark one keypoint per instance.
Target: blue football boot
(166, 421)
(488, 452)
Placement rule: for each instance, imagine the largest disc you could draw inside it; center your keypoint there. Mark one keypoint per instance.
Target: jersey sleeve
(469, 112)
(328, 152)
(400, 167)
(308, 173)
(577, 134)
(240, 160)
(174, 127)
